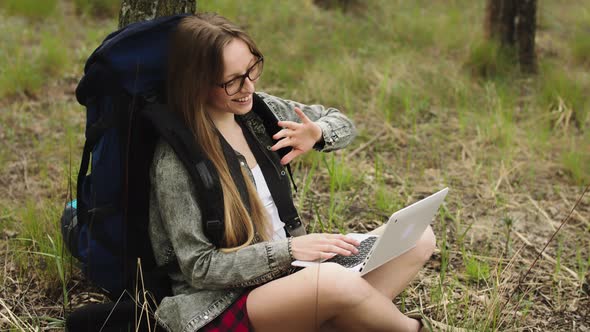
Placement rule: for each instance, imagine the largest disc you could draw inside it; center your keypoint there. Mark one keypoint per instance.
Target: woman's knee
(341, 286)
(425, 245)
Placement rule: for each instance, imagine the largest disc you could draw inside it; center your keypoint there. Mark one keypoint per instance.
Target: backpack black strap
(277, 181)
(93, 135)
(205, 176)
(87, 93)
(269, 120)
(235, 170)
(201, 170)
(279, 191)
(270, 123)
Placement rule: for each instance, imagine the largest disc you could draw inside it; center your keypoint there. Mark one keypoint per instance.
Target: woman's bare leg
(306, 300)
(393, 277)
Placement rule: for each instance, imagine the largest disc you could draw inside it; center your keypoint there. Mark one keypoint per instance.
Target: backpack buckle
(294, 226)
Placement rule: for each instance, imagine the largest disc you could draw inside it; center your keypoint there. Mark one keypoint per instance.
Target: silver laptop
(402, 231)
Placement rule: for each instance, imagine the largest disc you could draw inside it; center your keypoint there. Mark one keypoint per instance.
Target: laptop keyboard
(354, 260)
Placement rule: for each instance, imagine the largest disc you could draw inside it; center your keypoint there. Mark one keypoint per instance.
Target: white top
(269, 204)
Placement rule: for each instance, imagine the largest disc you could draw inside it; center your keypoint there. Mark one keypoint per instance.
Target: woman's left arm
(335, 129)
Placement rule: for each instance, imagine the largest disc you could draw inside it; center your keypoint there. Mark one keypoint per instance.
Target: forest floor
(514, 151)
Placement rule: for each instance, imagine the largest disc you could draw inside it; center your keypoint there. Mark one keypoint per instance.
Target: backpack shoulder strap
(201, 170)
(278, 184)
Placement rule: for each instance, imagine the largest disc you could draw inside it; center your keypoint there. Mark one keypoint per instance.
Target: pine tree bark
(143, 10)
(500, 20)
(512, 23)
(492, 19)
(508, 21)
(345, 5)
(525, 33)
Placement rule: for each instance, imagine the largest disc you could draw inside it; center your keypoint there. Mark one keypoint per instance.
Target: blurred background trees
(512, 23)
(344, 5)
(142, 10)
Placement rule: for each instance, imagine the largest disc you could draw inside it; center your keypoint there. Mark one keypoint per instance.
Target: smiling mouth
(244, 99)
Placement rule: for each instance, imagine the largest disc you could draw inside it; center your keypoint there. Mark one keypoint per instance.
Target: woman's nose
(248, 85)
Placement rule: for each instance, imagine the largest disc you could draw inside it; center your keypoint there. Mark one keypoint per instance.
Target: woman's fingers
(338, 244)
(326, 255)
(346, 239)
(301, 115)
(286, 137)
(346, 246)
(350, 248)
(301, 137)
(289, 129)
(333, 249)
(290, 156)
(285, 132)
(289, 125)
(339, 248)
(314, 246)
(283, 143)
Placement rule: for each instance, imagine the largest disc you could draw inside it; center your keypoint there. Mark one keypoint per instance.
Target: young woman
(246, 282)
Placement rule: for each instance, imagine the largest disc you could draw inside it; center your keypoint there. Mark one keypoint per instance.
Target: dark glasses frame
(242, 78)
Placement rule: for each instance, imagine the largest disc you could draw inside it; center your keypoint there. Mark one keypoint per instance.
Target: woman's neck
(225, 122)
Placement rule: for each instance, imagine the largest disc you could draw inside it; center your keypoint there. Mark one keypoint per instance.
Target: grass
(564, 96)
(20, 76)
(39, 228)
(98, 8)
(581, 47)
(31, 9)
(488, 60)
(475, 269)
(582, 264)
(31, 59)
(576, 164)
(449, 110)
(53, 58)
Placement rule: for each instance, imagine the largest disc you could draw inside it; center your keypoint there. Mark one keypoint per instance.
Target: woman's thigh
(304, 300)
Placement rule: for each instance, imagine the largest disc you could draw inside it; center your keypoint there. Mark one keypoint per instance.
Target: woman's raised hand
(313, 247)
(301, 137)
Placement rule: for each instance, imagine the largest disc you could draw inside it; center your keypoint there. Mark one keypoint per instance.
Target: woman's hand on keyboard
(313, 247)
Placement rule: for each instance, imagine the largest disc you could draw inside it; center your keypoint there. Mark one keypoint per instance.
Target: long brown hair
(195, 64)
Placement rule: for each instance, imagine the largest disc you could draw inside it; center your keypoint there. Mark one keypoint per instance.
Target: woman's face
(237, 59)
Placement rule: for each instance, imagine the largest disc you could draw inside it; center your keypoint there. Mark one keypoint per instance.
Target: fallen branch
(547, 257)
(579, 217)
(524, 276)
(366, 144)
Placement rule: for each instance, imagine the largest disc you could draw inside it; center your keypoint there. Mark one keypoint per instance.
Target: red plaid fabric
(234, 318)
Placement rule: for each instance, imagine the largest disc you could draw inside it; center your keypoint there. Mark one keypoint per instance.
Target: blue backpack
(105, 228)
(123, 90)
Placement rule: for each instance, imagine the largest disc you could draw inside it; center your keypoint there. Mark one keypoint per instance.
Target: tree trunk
(525, 33)
(143, 10)
(344, 5)
(512, 24)
(492, 19)
(508, 21)
(500, 21)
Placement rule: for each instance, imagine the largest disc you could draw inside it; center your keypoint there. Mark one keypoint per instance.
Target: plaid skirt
(234, 318)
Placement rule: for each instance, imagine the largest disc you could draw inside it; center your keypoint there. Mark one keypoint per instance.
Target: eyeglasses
(236, 84)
